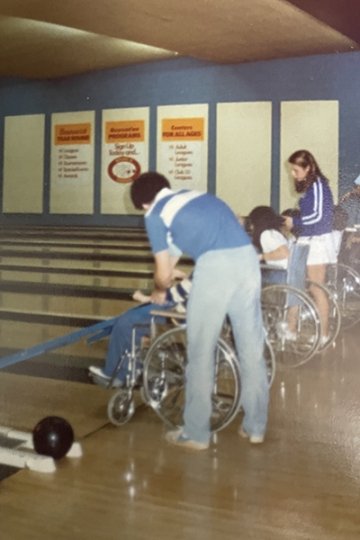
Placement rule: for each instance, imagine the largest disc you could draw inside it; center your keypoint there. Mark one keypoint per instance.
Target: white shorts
(322, 249)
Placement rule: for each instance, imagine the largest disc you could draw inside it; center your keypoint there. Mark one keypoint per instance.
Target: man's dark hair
(145, 188)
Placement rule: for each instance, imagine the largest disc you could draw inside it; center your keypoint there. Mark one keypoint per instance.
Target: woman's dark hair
(262, 219)
(145, 188)
(292, 212)
(304, 159)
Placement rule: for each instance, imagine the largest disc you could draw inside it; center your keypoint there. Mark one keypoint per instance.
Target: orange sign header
(182, 129)
(72, 134)
(124, 131)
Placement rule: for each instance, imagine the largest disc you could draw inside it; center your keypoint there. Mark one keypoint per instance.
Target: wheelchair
(161, 379)
(344, 282)
(286, 297)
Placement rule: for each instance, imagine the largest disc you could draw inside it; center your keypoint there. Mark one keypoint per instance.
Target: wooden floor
(303, 483)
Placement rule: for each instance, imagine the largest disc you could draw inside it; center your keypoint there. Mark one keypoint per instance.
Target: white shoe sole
(253, 439)
(174, 437)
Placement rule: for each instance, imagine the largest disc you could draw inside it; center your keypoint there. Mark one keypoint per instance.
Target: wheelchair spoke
(292, 324)
(164, 380)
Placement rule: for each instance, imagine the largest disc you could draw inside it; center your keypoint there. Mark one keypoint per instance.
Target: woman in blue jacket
(314, 225)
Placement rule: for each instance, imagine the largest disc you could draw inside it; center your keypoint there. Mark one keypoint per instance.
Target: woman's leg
(317, 273)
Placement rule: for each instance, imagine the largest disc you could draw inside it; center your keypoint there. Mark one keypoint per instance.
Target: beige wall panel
(243, 155)
(72, 163)
(23, 164)
(313, 126)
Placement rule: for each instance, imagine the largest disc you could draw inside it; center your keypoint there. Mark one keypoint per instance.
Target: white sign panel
(72, 163)
(124, 156)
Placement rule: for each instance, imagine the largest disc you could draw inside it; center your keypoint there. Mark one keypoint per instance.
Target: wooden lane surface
(21, 335)
(83, 250)
(74, 233)
(45, 230)
(25, 400)
(64, 304)
(303, 483)
(64, 266)
(120, 282)
(63, 243)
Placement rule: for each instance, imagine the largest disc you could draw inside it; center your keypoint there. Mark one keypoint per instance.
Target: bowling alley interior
(215, 96)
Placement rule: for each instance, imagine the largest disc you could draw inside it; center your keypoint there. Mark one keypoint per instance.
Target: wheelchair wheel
(280, 304)
(269, 355)
(334, 320)
(346, 286)
(164, 380)
(121, 407)
(270, 361)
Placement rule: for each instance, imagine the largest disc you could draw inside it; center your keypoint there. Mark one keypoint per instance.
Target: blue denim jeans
(120, 339)
(225, 282)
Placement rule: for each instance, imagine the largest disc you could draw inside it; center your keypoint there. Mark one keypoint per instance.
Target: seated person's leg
(120, 341)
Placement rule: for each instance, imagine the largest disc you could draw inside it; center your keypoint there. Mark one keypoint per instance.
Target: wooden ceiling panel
(230, 31)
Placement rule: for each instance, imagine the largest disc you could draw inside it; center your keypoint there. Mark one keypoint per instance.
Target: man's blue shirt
(194, 222)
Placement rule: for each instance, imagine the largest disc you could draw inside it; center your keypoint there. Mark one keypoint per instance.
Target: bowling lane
(141, 279)
(25, 400)
(302, 483)
(18, 335)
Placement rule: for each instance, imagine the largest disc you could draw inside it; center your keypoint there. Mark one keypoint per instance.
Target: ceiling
(44, 39)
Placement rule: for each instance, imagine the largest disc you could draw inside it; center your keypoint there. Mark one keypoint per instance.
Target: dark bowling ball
(53, 436)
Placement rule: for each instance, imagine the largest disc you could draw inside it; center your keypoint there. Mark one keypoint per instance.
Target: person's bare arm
(164, 268)
(282, 252)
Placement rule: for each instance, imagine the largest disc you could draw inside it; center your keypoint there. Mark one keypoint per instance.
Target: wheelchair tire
(164, 378)
(346, 286)
(121, 407)
(295, 349)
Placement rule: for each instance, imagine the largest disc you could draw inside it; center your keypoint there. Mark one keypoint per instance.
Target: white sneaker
(99, 377)
(324, 340)
(94, 370)
(178, 438)
(254, 439)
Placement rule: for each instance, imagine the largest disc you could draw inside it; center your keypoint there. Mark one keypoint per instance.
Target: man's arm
(164, 269)
(163, 276)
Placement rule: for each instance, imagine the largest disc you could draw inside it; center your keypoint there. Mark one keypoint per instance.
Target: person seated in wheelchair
(115, 371)
(275, 241)
(271, 243)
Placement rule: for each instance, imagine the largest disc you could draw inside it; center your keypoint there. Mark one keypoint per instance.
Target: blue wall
(183, 81)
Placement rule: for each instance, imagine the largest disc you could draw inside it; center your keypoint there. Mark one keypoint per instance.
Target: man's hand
(139, 296)
(158, 297)
(289, 223)
(178, 274)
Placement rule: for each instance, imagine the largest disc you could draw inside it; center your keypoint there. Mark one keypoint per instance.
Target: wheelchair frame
(162, 381)
(344, 282)
(291, 299)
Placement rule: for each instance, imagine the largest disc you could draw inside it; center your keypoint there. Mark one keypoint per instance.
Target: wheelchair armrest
(168, 314)
(269, 266)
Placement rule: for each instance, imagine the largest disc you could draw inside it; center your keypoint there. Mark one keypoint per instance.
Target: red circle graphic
(126, 175)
